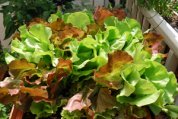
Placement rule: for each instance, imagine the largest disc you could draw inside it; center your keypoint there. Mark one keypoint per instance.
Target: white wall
(1, 27)
(2, 33)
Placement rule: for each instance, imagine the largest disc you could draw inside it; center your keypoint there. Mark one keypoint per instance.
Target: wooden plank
(106, 3)
(134, 10)
(4, 43)
(2, 29)
(139, 16)
(98, 3)
(117, 2)
(129, 7)
(145, 24)
(171, 62)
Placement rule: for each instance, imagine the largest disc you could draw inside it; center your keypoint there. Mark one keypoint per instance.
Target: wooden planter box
(148, 20)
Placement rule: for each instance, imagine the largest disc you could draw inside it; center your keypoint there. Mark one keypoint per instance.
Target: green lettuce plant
(59, 67)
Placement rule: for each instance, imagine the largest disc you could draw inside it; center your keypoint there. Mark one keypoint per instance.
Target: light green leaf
(140, 100)
(55, 16)
(132, 23)
(144, 87)
(9, 58)
(157, 74)
(41, 109)
(172, 111)
(78, 19)
(110, 21)
(41, 33)
(127, 90)
(71, 115)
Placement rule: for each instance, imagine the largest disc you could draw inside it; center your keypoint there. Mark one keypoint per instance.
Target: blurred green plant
(19, 12)
(80, 5)
(65, 4)
(163, 7)
(4, 111)
(175, 6)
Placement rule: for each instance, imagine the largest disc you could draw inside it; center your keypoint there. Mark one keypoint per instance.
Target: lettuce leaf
(80, 52)
(78, 19)
(42, 109)
(158, 90)
(109, 75)
(34, 45)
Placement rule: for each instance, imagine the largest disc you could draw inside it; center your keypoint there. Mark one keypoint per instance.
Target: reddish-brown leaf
(3, 71)
(8, 95)
(32, 77)
(152, 42)
(101, 14)
(54, 77)
(119, 13)
(50, 76)
(37, 21)
(57, 25)
(18, 66)
(64, 65)
(62, 31)
(4, 91)
(109, 74)
(34, 92)
(9, 88)
(92, 29)
(16, 35)
(6, 99)
(105, 100)
(63, 68)
(71, 32)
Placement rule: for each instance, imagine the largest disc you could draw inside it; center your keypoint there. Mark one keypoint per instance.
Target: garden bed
(98, 82)
(94, 68)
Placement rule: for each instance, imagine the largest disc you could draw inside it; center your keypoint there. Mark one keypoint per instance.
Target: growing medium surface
(84, 65)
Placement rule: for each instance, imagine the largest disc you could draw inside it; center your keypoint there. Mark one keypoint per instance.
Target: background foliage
(18, 12)
(4, 111)
(164, 7)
